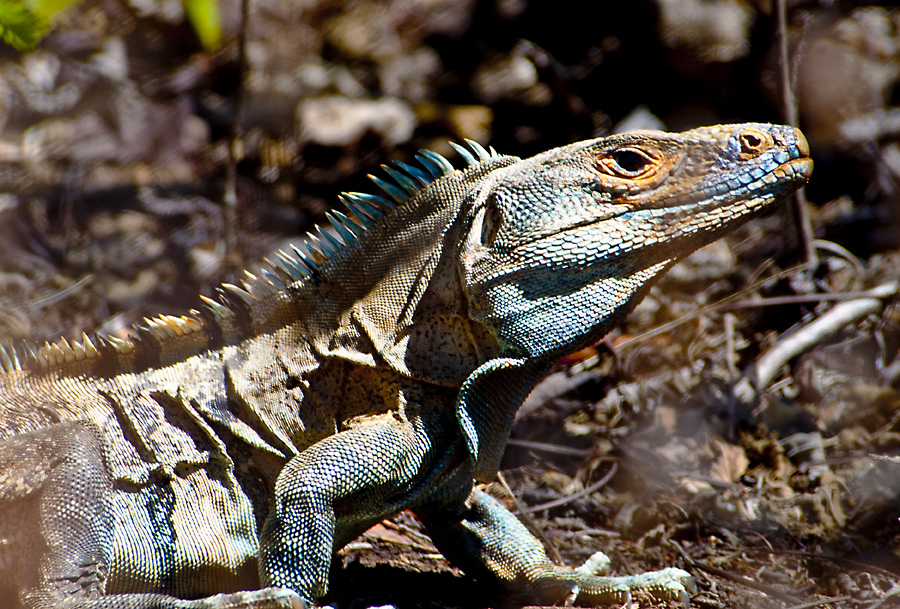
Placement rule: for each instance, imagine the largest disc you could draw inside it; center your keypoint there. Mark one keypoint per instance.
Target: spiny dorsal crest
(321, 246)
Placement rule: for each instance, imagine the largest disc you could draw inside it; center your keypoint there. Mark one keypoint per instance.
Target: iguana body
(234, 449)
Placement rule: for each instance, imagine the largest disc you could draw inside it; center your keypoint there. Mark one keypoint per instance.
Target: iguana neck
(396, 295)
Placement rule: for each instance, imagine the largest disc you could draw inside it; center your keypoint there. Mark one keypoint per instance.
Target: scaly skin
(224, 455)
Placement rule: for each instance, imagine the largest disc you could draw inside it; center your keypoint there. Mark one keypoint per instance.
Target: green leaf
(20, 27)
(50, 9)
(204, 15)
(23, 23)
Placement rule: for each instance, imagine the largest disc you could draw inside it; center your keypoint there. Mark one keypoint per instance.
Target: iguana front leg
(486, 540)
(337, 488)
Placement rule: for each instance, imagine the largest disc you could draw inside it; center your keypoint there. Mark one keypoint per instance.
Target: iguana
(224, 455)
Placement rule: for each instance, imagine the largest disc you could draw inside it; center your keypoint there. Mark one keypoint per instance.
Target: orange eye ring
(628, 163)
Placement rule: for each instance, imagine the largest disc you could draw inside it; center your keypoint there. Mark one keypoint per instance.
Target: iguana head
(563, 244)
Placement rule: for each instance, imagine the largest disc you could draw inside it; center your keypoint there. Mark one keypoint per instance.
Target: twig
(803, 225)
(788, 102)
(798, 299)
(729, 304)
(746, 581)
(235, 149)
(840, 316)
(894, 591)
(760, 374)
(824, 601)
(856, 564)
(666, 327)
(731, 356)
(752, 584)
(840, 251)
(570, 498)
(546, 447)
(63, 293)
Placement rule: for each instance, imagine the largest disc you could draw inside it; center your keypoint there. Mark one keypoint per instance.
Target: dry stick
(666, 327)
(761, 374)
(733, 577)
(840, 316)
(730, 303)
(789, 106)
(752, 584)
(583, 492)
(746, 581)
(856, 564)
(236, 152)
(731, 356)
(547, 447)
(63, 293)
(894, 591)
(820, 602)
(774, 301)
(840, 251)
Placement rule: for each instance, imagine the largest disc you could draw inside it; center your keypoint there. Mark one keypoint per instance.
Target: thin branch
(803, 225)
(558, 449)
(583, 492)
(745, 581)
(831, 322)
(730, 303)
(236, 151)
(820, 602)
(799, 299)
(890, 594)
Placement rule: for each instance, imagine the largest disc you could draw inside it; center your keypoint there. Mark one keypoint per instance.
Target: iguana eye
(628, 163)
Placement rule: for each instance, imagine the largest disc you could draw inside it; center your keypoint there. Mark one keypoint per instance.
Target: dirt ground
(744, 424)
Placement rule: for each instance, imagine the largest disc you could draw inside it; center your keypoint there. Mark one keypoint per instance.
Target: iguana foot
(486, 540)
(584, 585)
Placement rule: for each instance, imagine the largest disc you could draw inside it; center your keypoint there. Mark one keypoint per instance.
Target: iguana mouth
(803, 167)
(783, 177)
